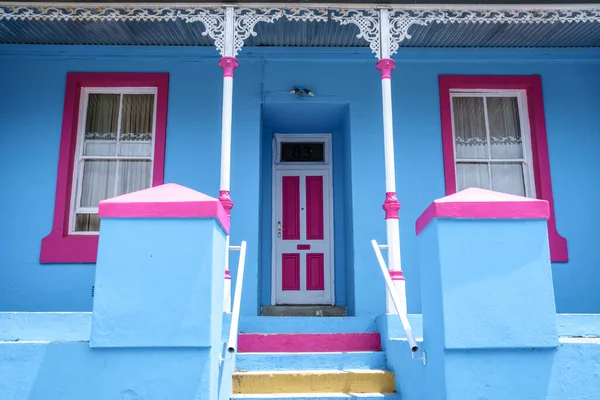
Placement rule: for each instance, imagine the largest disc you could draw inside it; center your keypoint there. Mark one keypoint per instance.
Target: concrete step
(321, 396)
(314, 381)
(304, 311)
(308, 343)
(306, 324)
(312, 361)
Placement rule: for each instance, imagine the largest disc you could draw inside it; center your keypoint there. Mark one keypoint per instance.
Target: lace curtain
(489, 155)
(115, 161)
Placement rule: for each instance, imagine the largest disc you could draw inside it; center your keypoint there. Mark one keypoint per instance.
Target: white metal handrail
(390, 287)
(237, 299)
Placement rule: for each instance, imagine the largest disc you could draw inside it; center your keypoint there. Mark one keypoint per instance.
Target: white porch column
(228, 62)
(391, 205)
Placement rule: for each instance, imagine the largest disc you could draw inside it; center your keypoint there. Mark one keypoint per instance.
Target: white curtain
(481, 164)
(112, 171)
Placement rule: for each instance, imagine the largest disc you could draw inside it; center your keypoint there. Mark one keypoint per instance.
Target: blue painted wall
(31, 115)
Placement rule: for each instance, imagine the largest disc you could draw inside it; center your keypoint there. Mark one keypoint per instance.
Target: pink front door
(302, 237)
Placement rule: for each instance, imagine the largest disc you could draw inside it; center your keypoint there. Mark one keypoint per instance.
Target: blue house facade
(302, 125)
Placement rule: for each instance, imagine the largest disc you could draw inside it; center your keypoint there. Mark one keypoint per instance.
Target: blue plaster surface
(570, 372)
(57, 327)
(73, 371)
(337, 76)
(578, 325)
(490, 293)
(159, 282)
(307, 324)
(310, 361)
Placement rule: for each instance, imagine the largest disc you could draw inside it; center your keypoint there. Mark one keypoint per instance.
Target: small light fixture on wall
(302, 91)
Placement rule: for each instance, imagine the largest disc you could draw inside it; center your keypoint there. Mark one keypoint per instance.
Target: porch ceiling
(567, 32)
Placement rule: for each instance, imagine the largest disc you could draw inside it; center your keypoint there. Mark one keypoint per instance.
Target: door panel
(302, 237)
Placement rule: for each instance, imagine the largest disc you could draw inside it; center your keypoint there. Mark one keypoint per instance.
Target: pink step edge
(308, 343)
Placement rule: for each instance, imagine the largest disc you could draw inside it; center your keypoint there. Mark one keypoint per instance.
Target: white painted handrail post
(228, 62)
(237, 301)
(397, 302)
(391, 205)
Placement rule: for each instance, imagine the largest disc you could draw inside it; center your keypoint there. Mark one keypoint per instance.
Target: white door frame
(327, 168)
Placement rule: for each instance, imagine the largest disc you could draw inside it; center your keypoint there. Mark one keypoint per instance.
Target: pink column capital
(228, 64)
(391, 206)
(386, 65)
(225, 199)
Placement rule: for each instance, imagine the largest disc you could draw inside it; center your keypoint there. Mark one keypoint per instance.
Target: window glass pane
(137, 123)
(508, 178)
(472, 175)
(302, 152)
(469, 127)
(134, 176)
(98, 182)
(87, 223)
(505, 127)
(101, 124)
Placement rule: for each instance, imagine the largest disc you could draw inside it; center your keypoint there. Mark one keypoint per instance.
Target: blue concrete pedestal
(489, 317)
(160, 278)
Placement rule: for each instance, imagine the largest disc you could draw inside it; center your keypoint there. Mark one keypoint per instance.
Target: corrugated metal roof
(176, 33)
(286, 33)
(505, 35)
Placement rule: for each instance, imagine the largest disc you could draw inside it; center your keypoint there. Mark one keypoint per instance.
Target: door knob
(279, 229)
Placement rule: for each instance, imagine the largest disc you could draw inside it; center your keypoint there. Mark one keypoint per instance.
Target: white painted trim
(327, 167)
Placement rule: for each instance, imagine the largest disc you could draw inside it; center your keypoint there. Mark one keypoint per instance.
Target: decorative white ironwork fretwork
(213, 20)
(246, 19)
(100, 13)
(367, 22)
(112, 12)
(507, 16)
(306, 14)
(400, 23)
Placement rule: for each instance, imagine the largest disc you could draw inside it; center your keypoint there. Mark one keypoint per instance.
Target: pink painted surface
(386, 65)
(290, 271)
(475, 203)
(291, 207)
(307, 343)
(396, 275)
(225, 199)
(391, 206)
(227, 274)
(228, 64)
(315, 271)
(166, 201)
(303, 247)
(59, 246)
(314, 208)
(532, 85)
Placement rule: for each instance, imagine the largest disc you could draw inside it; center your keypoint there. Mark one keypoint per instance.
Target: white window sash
(526, 160)
(80, 158)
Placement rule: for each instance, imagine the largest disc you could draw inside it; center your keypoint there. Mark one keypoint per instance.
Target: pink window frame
(532, 85)
(59, 246)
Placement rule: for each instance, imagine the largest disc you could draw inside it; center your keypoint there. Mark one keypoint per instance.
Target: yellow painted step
(346, 381)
